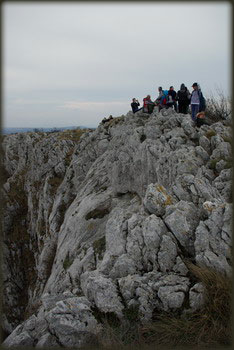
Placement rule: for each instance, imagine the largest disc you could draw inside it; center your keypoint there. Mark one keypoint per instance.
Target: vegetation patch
(99, 246)
(208, 326)
(210, 133)
(213, 162)
(73, 135)
(227, 139)
(168, 200)
(132, 313)
(117, 120)
(41, 228)
(62, 210)
(229, 163)
(218, 108)
(32, 310)
(68, 261)
(118, 334)
(4, 176)
(68, 157)
(55, 182)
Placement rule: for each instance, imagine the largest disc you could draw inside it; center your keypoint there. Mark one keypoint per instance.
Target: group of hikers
(180, 101)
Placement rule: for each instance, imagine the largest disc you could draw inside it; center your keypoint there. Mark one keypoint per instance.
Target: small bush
(218, 108)
(213, 162)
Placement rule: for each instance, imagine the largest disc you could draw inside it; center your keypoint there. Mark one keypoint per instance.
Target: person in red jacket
(148, 105)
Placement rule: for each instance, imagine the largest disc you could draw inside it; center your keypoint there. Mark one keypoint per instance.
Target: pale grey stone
(167, 254)
(123, 266)
(202, 153)
(171, 291)
(72, 322)
(22, 339)
(182, 220)
(47, 340)
(101, 291)
(156, 199)
(205, 143)
(180, 267)
(196, 296)
(153, 230)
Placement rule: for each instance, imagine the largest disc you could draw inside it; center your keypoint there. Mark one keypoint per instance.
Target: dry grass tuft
(73, 135)
(208, 326)
(218, 108)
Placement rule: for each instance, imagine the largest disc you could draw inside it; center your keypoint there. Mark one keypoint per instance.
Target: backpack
(164, 97)
(202, 106)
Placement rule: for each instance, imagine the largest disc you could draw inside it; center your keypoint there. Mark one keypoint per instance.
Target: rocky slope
(107, 224)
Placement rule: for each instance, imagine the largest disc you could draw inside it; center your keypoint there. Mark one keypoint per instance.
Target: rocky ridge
(107, 224)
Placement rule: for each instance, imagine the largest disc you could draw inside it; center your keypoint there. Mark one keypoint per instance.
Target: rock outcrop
(108, 222)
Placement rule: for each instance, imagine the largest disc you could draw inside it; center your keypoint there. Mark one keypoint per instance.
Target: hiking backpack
(164, 97)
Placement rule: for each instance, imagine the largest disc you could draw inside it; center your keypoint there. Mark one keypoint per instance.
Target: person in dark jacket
(135, 104)
(183, 98)
(172, 98)
(197, 101)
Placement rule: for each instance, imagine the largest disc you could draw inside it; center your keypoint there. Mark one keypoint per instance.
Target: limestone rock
(72, 322)
(196, 296)
(102, 292)
(156, 199)
(105, 222)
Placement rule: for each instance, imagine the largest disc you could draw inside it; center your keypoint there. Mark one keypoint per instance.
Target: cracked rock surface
(106, 223)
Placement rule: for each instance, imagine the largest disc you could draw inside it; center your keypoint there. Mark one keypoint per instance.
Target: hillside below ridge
(106, 223)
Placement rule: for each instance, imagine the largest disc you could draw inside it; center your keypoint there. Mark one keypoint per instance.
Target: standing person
(183, 98)
(197, 101)
(135, 104)
(172, 98)
(148, 105)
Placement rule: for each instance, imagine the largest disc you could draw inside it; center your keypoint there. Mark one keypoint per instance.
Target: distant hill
(6, 131)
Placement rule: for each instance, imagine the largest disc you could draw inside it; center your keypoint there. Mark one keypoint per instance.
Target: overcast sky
(73, 63)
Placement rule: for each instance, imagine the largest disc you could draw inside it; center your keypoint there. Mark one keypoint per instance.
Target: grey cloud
(105, 52)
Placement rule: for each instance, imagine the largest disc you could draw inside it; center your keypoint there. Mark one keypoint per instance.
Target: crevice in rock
(184, 255)
(142, 138)
(97, 213)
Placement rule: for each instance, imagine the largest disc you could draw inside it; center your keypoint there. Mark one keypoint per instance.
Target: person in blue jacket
(198, 103)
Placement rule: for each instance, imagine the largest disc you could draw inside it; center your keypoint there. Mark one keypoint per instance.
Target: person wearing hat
(197, 101)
